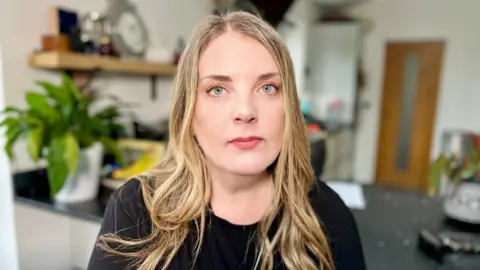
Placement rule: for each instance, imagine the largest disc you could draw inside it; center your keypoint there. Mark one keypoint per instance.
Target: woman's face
(239, 116)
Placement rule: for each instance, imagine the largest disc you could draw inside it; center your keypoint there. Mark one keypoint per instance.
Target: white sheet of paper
(351, 193)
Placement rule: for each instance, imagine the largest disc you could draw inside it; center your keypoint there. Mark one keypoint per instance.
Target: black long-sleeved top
(226, 246)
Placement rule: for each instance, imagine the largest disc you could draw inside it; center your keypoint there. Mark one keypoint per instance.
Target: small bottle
(106, 47)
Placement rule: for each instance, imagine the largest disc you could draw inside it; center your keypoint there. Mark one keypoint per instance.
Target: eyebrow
(225, 78)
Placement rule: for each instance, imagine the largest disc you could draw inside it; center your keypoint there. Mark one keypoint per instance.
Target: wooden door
(411, 80)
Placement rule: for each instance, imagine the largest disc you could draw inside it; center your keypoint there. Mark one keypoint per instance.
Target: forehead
(233, 54)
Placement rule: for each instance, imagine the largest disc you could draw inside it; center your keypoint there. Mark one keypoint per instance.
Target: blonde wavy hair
(177, 192)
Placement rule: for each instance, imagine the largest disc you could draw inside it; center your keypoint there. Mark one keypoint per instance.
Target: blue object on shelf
(305, 106)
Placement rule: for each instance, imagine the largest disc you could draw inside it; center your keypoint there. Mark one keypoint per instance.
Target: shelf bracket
(153, 87)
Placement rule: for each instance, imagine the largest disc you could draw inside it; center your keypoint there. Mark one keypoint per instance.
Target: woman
(235, 189)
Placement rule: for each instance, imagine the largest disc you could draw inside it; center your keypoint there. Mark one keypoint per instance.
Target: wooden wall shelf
(80, 62)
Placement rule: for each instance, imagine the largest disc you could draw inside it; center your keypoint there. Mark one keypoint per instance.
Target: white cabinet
(52, 241)
(332, 60)
(83, 235)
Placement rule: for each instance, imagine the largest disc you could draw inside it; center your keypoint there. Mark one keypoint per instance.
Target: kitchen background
(346, 54)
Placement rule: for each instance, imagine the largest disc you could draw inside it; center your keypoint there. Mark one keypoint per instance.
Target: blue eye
(269, 88)
(216, 91)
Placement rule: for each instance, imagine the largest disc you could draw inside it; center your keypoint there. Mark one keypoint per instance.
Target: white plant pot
(84, 184)
(464, 203)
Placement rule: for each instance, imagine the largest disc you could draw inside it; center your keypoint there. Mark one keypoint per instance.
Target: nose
(245, 110)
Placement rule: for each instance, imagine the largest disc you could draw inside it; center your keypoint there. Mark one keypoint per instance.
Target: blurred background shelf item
(139, 156)
(75, 61)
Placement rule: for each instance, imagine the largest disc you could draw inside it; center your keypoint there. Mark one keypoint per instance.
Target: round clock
(129, 33)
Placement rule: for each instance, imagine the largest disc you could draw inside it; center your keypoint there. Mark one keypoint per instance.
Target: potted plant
(462, 200)
(59, 126)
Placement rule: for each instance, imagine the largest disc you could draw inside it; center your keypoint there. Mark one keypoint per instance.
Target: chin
(249, 167)
(247, 170)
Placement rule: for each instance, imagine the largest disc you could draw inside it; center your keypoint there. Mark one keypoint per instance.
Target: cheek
(275, 122)
(207, 125)
(200, 121)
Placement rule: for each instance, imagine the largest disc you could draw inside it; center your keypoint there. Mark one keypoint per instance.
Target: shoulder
(327, 203)
(129, 193)
(340, 227)
(125, 216)
(126, 211)
(129, 196)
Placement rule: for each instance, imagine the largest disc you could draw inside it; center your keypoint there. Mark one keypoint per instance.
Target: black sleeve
(341, 228)
(126, 216)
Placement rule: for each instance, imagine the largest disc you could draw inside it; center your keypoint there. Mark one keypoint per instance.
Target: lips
(246, 143)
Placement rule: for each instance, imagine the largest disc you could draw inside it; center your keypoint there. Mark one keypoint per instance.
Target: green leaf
(34, 142)
(60, 128)
(449, 167)
(473, 157)
(108, 113)
(72, 152)
(39, 103)
(84, 103)
(57, 167)
(85, 138)
(9, 122)
(62, 158)
(69, 84)
(116, 129)
(111, 146)
(12, 136)
(9, 148)
(10, 109)
(98, 126)
(67, 110)
(12, 133)
(12, 130)
(35, 114)
(469, 171)
(55, 92)
(435, 174)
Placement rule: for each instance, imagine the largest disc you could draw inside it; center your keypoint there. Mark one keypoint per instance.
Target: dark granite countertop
(389, 226)
(31, 188)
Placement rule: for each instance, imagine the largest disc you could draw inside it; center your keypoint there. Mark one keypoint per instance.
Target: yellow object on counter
(152, 151)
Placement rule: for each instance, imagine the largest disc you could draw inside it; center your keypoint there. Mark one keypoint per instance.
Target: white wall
(8, 247)
(456, 22)
(22, 22)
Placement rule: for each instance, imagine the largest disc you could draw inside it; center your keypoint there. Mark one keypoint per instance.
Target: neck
(239, 199)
